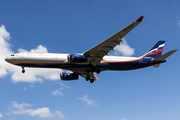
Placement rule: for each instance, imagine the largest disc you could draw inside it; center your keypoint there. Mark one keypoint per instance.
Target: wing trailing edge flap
(96, 54)
(163, 57)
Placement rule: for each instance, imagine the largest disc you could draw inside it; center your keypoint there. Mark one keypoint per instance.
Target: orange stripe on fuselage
(123, 61)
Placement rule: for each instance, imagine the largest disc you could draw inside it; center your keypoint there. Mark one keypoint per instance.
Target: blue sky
(74, 27)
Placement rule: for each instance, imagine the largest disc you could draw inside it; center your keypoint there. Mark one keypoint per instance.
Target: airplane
(95, 60)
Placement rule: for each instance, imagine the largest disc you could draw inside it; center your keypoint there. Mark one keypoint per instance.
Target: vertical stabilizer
(156, 50)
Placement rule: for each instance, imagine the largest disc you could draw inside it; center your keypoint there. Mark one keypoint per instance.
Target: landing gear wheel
(91, 81)
(98, 71)
(95, 69)
(87, 78)
(23, 71)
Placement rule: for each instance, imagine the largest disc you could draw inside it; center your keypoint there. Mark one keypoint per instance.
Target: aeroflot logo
(156, 50)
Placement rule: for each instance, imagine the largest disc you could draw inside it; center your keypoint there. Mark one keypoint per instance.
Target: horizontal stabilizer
(163, 57)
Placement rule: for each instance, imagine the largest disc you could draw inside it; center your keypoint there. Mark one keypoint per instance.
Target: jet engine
(76, 58)
(69, 76)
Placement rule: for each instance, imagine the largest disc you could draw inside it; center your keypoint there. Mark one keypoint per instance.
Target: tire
(91, 81)
(98, 71)
(23, 71)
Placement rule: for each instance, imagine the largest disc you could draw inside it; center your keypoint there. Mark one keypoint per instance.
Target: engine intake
(69, 76)
(76, 58)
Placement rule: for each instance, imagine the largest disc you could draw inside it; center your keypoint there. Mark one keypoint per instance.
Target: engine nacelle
(69, 76)
(76, 58)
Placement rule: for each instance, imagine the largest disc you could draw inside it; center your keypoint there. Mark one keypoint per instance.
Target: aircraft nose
(7, 60)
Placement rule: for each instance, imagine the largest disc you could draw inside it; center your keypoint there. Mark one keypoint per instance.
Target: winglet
(139, 19)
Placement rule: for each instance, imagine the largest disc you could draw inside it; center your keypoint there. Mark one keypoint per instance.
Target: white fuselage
(54, 58)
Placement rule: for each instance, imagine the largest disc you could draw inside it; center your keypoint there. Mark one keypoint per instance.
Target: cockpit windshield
(12, 55)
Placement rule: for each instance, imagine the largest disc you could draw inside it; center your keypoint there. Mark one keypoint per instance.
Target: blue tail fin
(156, 50)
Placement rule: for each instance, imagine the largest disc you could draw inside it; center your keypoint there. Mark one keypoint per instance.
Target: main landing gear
(92, 80)
(23, 71)
(98, 71)
(95, 69)
(88, 78)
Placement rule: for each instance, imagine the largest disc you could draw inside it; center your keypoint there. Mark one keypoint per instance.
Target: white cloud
(39, 49)
(63, 86)
(4, 33)
(32, 86)
(43, 112)
(8, 113)
(35, 74)
(1, 115)
(20, 106)
(124, 119)
(124, 49)
(4, 51)
(32, 75)
(86, 99)
(179, 23)
(24, 88)
(57, 93)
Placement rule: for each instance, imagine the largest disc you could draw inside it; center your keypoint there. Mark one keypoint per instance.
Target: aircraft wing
(96, 54)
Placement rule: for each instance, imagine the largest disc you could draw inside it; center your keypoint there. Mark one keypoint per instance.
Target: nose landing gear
(23, 71)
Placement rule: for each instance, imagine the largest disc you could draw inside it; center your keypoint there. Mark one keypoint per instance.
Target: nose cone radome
(8, 60)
